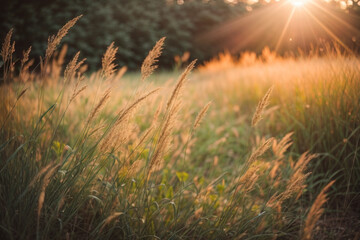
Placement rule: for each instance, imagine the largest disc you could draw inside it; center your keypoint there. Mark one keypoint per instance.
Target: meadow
(255, 147)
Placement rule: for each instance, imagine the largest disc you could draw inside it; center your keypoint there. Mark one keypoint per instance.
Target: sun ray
(334, 16)
(327, 30)
(284, 30)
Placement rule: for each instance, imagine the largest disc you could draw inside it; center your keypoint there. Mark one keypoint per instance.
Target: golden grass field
(256, 147)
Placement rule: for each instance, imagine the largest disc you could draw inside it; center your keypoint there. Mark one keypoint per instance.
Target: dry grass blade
(77, 92)
(260, 108)
(99, 105)
(144, 137)
(163, 142)
(134, 104)
(21, 94)
(279, 148)
(109, 219)
(25, 58)
(148, 66)
(55, 40)
(24, 67)
(201, 115)
(40, 173)
(7, 51)
(297, 181)
(180, 84)
(72, 67)
(260, 151)
(120, 130)
(157, 113)
(44, 185)
(108, 65)
(247, 180)
(304, 159)
(315, 212)
(6, 47)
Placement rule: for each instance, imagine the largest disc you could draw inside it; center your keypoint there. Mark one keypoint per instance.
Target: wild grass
(108, 155)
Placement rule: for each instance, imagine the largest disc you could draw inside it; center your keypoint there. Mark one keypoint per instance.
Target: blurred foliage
(136, 25)
(133, 25)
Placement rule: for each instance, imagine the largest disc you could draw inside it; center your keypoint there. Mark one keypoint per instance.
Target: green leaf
(182, 176)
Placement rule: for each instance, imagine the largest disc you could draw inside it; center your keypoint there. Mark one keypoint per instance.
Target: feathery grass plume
(134, 168)
(315, 212)
(260, 151)
(76, 92)
(126, 111)
(280, 148)
(148, 66)
(116, 135)
(6, 53)
(7, 47)
(201, 115)
(137, 144)
(295, 185)
(108, 65)
(44, 185)
(109, 219)
(180, 84)
(163, 143)
(25, 75)
(99, 105)
(25, 58)
(55, 40)
(121, 129)
(247, 180)
(144, 137)
(297, 181)
(304, 159)
(260, 108)
(172, 109)
(73, 67)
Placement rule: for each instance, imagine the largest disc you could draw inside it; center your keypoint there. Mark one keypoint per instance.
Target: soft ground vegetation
(258, 148)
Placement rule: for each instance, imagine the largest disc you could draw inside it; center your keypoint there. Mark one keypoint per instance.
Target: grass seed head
(260, 108)
(201, 115)
(260, 150)
(108, 65)
(315, 212)
(99, 105)
(181, 82)
(6, 49)
(55, 40)
(72, 67)
(149, 64)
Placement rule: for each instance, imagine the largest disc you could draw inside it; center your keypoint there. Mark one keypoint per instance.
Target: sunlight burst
(297, 3)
